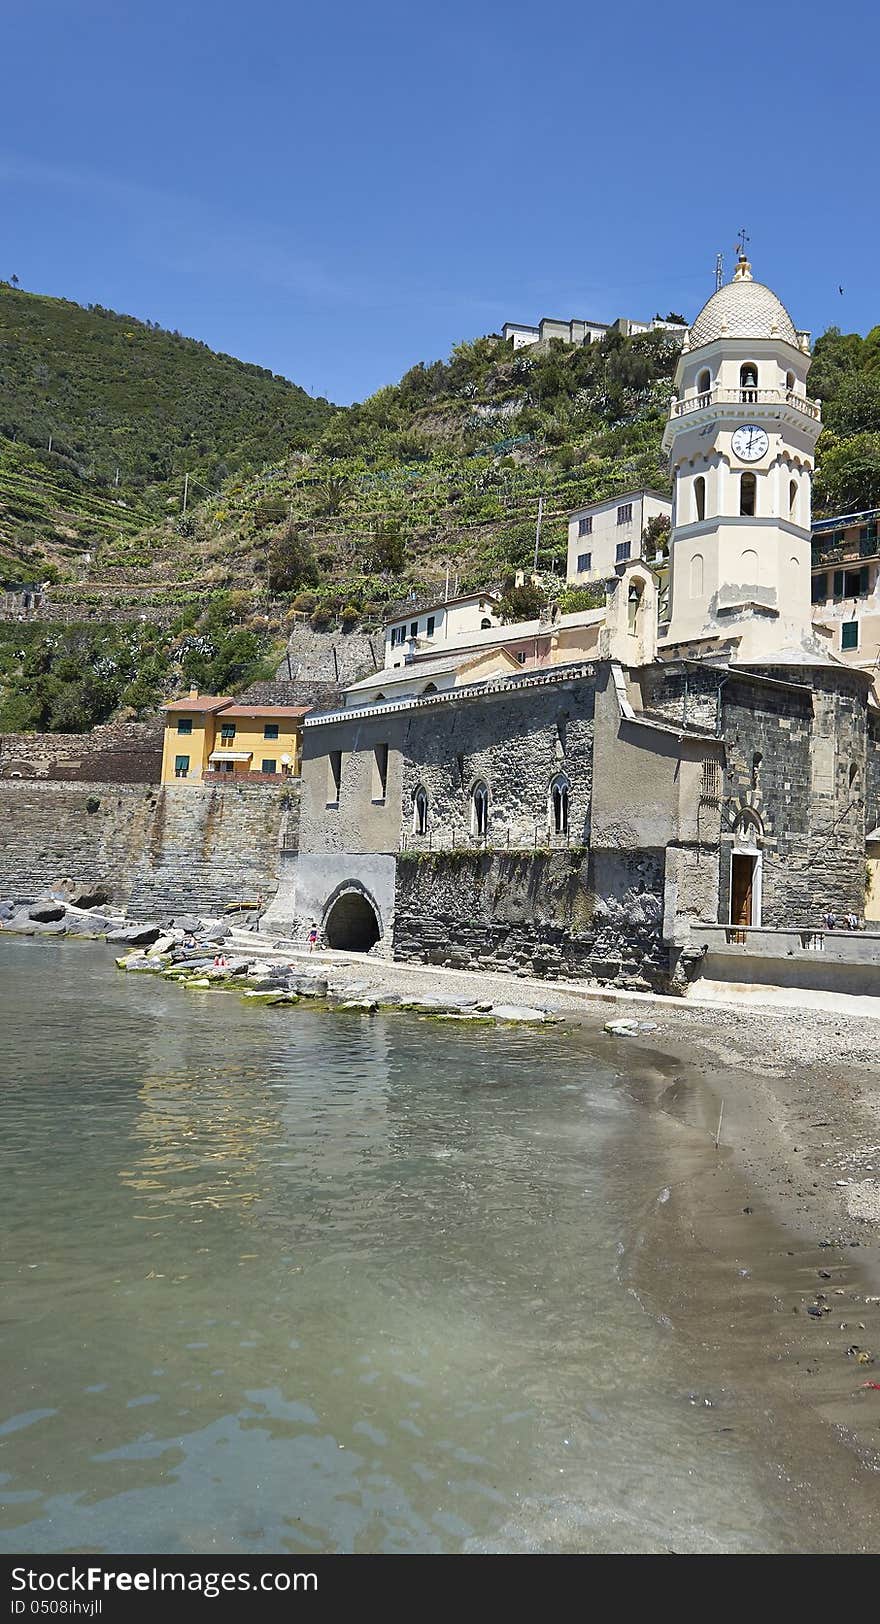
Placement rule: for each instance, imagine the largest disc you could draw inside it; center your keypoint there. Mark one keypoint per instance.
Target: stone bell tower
(741, 438)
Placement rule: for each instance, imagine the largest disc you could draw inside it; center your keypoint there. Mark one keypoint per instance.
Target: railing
(835, 945)
(209, 776)
(747, 397)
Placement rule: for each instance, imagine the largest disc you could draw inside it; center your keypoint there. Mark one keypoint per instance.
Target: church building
(611, 795)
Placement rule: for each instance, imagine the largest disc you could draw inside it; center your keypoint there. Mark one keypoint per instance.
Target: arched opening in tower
(352, 924)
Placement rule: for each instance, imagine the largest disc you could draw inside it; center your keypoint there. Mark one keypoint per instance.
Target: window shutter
(838, 583)
(863, 579)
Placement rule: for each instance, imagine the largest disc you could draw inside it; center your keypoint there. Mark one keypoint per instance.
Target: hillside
(115, 402)
(441, 473)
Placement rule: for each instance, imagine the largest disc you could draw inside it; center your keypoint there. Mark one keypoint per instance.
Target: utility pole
(49, 446)
(185, 490)
(719, 271)
(538, 531)
(116, 480)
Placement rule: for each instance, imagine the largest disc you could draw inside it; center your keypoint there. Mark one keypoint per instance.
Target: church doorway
(351, 924)
(743, 891)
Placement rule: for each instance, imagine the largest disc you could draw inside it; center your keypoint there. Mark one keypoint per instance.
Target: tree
(848, 480)
(291, 562)
(856, 405)
(521, 603)
(387, 551)
(655, 536)
(14, 280)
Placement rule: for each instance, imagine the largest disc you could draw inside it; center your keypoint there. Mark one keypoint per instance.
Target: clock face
(749, 442)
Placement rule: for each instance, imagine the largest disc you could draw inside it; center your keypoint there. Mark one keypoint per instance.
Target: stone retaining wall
(158, 850)
(117, 753)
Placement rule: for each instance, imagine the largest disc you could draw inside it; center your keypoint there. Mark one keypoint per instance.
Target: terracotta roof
(202, 702)
(273, 712)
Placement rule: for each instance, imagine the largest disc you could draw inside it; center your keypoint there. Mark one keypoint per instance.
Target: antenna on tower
(719, 271)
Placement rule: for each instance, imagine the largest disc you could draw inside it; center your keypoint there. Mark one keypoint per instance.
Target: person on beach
(313, 936)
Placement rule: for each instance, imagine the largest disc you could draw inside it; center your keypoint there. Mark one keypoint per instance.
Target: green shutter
(863, 580)
(838, 583)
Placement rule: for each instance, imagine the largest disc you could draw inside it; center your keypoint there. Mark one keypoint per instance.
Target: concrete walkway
(571, 997)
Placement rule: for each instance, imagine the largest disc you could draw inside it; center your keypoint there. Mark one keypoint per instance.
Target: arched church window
(558, 807)
(748, 381)
(704, 382)
(697, 575)
(485, 625)
(700, 496)
(748, 563)
(789, 382)
(748, 495)
(479, 810)
(420, 811)
(792, 498)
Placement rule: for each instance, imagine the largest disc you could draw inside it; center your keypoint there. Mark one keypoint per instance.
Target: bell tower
(741, 438)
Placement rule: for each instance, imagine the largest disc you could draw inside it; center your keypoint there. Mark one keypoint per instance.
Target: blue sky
(336, 192)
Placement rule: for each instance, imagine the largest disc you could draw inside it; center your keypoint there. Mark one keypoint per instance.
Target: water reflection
(275, 1280)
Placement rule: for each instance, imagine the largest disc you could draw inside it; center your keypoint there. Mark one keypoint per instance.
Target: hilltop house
(578, 331)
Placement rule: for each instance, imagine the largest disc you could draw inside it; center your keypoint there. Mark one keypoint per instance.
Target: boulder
(7, 910)
(310, 986)
(81, 895)
(188, 923)
(517, 1012)
(134, 935)
(163, 944)
(55, 927)
(47, 912)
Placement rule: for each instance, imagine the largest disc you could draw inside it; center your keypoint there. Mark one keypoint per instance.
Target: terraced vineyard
(50, 520)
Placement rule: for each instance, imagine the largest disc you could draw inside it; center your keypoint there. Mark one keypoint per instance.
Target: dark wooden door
(741, 890)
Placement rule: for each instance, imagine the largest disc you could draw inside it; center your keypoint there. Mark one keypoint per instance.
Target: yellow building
(210, 738)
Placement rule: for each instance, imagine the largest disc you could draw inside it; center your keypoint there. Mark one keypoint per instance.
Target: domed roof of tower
(743, 308)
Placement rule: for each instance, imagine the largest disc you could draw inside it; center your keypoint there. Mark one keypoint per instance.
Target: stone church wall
(571, 914)
(516, 743)
(796, 755)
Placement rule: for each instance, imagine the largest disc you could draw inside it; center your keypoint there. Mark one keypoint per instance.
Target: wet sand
(744, 1245)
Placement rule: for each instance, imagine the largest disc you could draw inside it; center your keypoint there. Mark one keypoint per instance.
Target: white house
(434, 625)
(610, 532)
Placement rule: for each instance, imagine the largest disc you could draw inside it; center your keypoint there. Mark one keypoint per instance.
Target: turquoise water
(288, 1281)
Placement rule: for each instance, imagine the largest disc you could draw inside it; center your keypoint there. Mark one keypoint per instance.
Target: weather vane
(741, 241)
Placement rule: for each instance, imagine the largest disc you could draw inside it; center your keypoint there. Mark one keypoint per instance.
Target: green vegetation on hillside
(845, 376)
(68, 678)
(353, 512)
(108, 397)
(441, 472)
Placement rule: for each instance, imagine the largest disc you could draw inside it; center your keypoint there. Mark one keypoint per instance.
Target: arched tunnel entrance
(352, 924)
